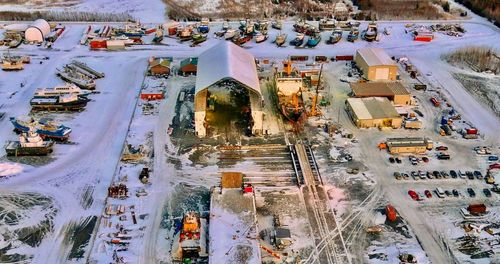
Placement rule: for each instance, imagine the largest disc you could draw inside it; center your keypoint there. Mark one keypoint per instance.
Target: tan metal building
(408, 145)
(376, 65)
(394, 91)
(373, 112)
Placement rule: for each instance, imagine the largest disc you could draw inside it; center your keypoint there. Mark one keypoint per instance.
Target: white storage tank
(37, 31)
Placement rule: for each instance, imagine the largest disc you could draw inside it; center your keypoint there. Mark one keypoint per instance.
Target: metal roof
(378, 89)
(375, 57)
(372, 108)
(225, 61)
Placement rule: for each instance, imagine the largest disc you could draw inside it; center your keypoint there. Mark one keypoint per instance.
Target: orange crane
(314, 111)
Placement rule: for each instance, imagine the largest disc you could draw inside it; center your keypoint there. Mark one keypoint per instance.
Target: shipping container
(320, 58)
(344, 57)
(423, 38)
(98, 44)
(299, 58)
(472, 131)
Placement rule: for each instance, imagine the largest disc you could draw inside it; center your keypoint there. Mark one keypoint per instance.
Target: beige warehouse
(373, 112)
(376, 65)
(394, 91)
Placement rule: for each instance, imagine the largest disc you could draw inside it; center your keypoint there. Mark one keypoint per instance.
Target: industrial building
(376, 65)
(373, 112)
(37, 31)
(408, 145)
(394, 91)
(223, 63)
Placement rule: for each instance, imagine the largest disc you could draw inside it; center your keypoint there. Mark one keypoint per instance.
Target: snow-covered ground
(100, 131)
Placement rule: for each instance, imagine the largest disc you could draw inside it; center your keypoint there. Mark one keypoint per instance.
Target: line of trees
(486, 8)
(392, 9)
(65, 16)
(479, 59)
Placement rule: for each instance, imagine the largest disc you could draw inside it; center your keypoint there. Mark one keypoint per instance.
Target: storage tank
(37, 31)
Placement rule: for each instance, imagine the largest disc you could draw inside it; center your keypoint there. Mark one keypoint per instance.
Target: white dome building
(37, 31)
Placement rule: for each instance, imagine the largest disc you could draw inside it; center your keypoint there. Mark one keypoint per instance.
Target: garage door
(382, 73)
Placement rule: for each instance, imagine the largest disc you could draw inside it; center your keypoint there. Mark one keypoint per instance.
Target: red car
(495, 166)
(428, 194)
(425, 159)
(442, 148)
(413, 195)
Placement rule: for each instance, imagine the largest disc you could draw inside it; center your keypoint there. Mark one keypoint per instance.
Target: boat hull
(14, 149)
(70, 106)
(61, 134)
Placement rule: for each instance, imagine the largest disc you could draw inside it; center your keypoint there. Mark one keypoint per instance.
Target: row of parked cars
(439, 192)
(422, 175)
(414, 160)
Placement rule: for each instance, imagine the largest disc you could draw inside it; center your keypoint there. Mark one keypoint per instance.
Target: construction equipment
(314, 110)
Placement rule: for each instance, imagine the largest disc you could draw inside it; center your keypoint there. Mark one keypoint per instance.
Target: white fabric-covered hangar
(222, 63)
(37, 31)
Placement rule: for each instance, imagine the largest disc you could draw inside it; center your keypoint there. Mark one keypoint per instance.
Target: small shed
(189, 66)
(159, 66)
(232, 180)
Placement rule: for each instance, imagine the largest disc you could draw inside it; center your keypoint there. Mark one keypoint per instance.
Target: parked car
(471, 192)
(415, 175)
(453, 174)
(391, 160)
(405, 176)
(398, 160)
(487, 192)
(413, 160)
(447, 192)
(493, 158)
(413, 195)
(495, 166)
(469, 175)
(397, 175)
(478, 175)
(442, 148)
(428, 193)
(425, 159)
(436, 174)
(418, 112)
(443, 156)
(455, 192)
(445, 174)
(462, 174)
(429, 175)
